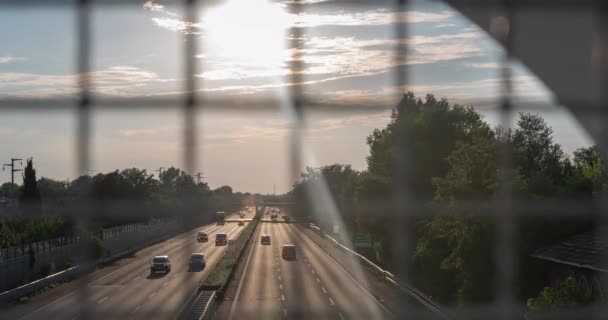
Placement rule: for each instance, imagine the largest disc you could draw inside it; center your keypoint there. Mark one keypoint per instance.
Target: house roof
(585, 250)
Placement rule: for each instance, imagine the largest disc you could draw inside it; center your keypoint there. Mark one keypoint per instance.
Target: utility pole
(160, 171)
(13, 170)
(199, 177)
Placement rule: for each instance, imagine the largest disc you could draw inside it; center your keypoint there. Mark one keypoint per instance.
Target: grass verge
(221, 272)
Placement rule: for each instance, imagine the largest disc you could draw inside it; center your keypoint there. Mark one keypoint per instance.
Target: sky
(346, 58)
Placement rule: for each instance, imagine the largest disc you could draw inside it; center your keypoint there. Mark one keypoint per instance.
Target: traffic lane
(259, 297)
(98, 296)
(139, 296)
(302, 297)
(172, 246)
(352, 298)
(171, 299)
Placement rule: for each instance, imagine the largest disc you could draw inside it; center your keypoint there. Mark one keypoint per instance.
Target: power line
(199, 176)
(13, 170)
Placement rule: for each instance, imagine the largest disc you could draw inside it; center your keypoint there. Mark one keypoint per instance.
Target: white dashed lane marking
(153, 294)
(318, 280)
(331, 302)
(283, 297)
(102, 300)
(136, 309)
(341, 316)
(324, 291)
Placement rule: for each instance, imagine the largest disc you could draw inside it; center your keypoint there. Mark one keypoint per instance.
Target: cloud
(122, 81)
(376, 17)
(484, 65)
(177, 25)
(337, 58)
(153, 6)
(148, 132)
(9, 59)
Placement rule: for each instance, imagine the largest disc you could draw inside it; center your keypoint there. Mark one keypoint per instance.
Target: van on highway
(221, 239)
(289, 252)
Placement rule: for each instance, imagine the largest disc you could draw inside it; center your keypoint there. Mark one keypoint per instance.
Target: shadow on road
(156, 275)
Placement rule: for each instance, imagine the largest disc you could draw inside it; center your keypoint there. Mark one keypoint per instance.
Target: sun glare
(247, 32)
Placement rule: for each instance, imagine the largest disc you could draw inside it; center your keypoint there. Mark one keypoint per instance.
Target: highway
(129, 291)
(312, 286)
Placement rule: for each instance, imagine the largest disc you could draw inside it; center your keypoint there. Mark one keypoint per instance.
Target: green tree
(30, 200)
(540, 160)
(6, 189)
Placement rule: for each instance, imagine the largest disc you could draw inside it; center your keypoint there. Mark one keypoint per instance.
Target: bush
(566, 295)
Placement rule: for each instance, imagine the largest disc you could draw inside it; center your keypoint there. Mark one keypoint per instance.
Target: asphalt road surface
(312, 286)
(130, 291)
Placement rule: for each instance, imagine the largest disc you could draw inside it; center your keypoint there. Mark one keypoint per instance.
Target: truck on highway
(220, 217)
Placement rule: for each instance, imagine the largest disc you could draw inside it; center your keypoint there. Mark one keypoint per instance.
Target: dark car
(197, 261)
(202, 237)
(289, 252)
(221, 239)
(160, 264)
(265, 239)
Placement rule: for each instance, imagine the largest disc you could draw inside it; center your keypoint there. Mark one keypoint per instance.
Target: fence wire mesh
(505, 208)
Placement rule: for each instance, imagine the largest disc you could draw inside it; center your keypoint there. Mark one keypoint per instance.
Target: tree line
(451, 156)
(50, 208)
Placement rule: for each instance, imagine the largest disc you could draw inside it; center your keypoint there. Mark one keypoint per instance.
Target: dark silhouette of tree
(29, 200)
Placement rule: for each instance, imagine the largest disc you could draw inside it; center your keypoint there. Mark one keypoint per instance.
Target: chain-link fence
(506, 209)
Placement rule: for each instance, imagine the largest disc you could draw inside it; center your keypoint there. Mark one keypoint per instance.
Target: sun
(247, 32)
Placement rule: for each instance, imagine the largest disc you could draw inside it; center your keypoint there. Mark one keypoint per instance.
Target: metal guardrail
(441, 311)
(32, 287)
(36, 285)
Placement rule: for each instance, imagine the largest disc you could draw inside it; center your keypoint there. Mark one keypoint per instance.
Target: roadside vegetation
(454, 157)
(49, 208)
